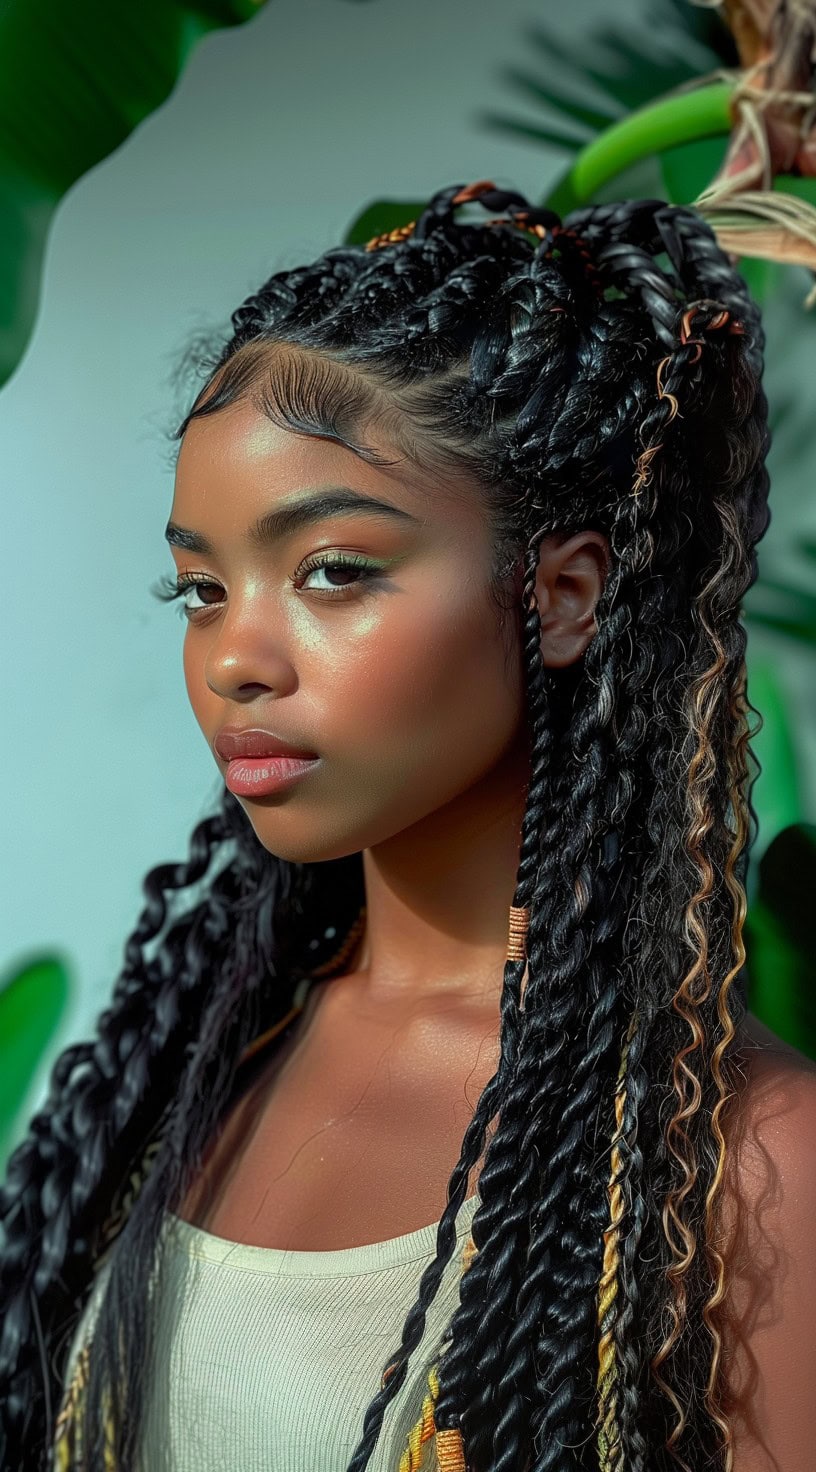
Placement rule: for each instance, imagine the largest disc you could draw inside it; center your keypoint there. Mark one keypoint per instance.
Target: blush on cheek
(445, 700)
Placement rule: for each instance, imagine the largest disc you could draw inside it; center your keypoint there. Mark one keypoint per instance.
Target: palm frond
(621, 66)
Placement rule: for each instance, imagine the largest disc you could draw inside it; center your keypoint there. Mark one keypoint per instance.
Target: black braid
(555, 1137)
(488, 1293)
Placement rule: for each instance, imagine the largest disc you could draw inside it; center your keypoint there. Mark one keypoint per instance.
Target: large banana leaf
(75, 79)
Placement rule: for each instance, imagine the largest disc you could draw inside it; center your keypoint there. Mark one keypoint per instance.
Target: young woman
(432, 1130)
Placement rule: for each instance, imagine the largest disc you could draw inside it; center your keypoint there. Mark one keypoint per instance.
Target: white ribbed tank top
(267, 1359)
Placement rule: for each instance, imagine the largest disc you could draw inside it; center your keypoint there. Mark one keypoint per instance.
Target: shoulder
(778, 1117)
(769, 1212)
(771, 1172)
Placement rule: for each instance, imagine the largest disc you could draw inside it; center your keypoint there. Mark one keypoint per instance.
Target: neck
(438, 896)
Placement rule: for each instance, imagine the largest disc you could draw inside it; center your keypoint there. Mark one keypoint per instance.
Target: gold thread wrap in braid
(64, 1441)
(423, 1431)
(516, 945)
(643, 470)
(609, 1447)
(67, 1441)
(452, 1446)
(391, 237)
(449, 1451)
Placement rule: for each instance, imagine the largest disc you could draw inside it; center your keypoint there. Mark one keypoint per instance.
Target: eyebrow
(287, 519)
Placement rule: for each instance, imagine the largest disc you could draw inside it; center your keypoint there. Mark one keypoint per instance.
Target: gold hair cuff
(519, 921)
(450, 1451)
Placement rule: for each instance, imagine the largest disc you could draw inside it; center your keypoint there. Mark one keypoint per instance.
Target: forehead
(238, 465)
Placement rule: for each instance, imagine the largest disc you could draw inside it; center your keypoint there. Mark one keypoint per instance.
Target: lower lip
(256, 776)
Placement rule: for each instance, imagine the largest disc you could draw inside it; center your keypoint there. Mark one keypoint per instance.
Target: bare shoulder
(768, 1214)
(772, 1144)
(780, 1089)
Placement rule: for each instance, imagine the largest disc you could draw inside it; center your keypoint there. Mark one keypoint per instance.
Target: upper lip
(233, 741)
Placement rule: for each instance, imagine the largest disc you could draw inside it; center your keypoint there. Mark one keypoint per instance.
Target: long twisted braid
(579, 383)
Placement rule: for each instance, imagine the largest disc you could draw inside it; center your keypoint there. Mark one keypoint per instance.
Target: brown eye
(347, 566)
(168, 589)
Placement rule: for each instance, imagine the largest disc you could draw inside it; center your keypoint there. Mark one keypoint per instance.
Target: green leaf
(629, 64)
(688, 168)
(557, 135)
(555, 95)
(761, 277)
(32, 1002)
(667, 123)
(780, 940)
(784, 608)
(619, 66)
(74, 82)
(777, 793)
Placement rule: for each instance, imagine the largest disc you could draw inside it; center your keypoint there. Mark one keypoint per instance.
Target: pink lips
(253, 741)
(260, 776)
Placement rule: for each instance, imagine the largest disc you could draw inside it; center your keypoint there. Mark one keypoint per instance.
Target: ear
(569, 581)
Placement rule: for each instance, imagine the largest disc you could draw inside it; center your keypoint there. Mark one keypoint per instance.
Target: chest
(349, 1133)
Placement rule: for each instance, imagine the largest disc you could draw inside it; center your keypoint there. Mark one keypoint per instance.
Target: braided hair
(602, 371)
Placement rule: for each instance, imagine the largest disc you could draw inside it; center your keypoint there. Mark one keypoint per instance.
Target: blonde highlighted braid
(705, 698)
(449, 1446)
(610, 1457)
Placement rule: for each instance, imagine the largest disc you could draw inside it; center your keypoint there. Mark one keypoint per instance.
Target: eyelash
(169, 589)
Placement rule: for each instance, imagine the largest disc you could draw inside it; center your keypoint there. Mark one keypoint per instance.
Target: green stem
(701, 113)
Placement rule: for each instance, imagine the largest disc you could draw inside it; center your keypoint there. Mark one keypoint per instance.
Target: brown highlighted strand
(610, 1454)
(738, 780)
(643, 467)
(704, 701)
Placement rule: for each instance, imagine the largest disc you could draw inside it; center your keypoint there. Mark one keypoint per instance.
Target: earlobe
(562, 646)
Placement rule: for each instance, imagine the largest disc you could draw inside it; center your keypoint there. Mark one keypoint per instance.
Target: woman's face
(402, 682)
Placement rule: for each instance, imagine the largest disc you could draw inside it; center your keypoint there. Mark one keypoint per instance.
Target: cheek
(439, 686)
